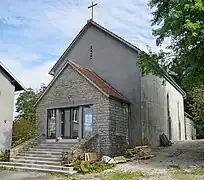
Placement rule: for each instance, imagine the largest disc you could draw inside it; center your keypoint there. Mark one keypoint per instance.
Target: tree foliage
(23, 130)
(24, 127)
(196, 107)
(25, 105)
(181, 21)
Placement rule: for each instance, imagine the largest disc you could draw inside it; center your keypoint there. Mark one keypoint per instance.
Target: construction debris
(120, 159)
(140, 153)
(91, 157)
(108, 160)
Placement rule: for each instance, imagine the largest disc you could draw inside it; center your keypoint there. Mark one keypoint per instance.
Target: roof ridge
(12, 75)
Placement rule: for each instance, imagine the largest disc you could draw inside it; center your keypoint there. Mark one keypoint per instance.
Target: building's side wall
(6, 111)
(116, 63)
(190, 129)
(119, 117)
(154, 110)
(72, 89)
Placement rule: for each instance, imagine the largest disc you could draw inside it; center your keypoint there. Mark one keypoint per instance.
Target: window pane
(75, 124)
(88, 120)
(51, 124)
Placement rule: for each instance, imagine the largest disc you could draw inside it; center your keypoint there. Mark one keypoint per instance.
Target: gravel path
(10, 175)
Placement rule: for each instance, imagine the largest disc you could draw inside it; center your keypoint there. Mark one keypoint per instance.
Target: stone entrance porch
(69, 124)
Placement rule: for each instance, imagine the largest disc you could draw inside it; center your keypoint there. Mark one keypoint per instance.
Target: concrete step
(40, 169)
(57, 163)
(42, 166)
(43, 155)
(37, 158)
(52, 147)
(42, 151)
(58, 144)
(49, 150)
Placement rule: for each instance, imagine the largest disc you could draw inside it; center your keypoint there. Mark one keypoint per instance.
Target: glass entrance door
(70, 123)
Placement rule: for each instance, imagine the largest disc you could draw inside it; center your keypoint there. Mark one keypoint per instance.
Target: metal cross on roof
(92, 8)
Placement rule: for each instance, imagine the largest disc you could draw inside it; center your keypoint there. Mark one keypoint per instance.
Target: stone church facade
(97, 87)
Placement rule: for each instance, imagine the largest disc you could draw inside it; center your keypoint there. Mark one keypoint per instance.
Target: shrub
(23, 130)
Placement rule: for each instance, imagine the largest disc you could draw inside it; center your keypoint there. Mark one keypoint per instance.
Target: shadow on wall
(6, 139)
(153, 110)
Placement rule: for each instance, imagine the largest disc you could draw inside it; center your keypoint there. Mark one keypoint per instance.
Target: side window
(168, 107)
(51, 123)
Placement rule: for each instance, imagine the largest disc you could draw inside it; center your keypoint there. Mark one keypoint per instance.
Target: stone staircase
(44, 157)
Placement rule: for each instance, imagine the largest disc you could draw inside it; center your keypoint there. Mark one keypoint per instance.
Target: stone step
(42, 166)
(37, 161)
(40, 169)
(37, 158)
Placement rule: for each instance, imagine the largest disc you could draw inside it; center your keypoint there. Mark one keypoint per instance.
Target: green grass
(198, 171)
(98, 167)
(181, 174)
(4, 168)
(123, 176)
(56, 176)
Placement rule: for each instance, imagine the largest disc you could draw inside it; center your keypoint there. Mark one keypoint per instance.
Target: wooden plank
(91, 157)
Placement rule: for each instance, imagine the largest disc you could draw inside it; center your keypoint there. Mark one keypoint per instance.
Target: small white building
(8, 86)
(190, 130)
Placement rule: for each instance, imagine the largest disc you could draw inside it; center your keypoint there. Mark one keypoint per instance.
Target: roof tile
(97, 80)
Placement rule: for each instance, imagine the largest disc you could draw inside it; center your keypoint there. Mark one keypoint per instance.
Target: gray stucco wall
(154, 110)
(116, 63)
(72, 89)
(6, 111)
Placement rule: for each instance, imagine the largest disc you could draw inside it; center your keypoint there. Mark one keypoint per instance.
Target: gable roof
(137, 50)
(14, 80)
(93, 78)
(92, 23)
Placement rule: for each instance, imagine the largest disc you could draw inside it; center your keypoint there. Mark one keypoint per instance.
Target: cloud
(34, 34)
(30, 77)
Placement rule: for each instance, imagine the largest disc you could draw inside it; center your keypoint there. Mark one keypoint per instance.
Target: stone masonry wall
(118, 126)
(70, 88)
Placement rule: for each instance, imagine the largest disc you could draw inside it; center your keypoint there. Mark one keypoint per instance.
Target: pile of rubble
(140, 153)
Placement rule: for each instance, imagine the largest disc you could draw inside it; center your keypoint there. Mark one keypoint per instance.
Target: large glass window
(87, 120)
(51, 124)
(75, 122)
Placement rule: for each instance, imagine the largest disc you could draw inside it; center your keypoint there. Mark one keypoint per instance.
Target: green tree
(196, 107)
(181, 21)
(24, 126)
(23, 130)
(25, 105)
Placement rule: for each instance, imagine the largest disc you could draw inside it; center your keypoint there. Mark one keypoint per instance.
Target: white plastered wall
(6, 112)
(154, 110)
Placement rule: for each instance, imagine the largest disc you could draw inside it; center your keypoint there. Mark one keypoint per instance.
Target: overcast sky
(34, 33)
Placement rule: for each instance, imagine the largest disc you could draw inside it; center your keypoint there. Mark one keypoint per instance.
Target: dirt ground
(186, 155)
(183, 156)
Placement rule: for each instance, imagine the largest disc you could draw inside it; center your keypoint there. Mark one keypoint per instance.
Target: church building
(97, 88)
